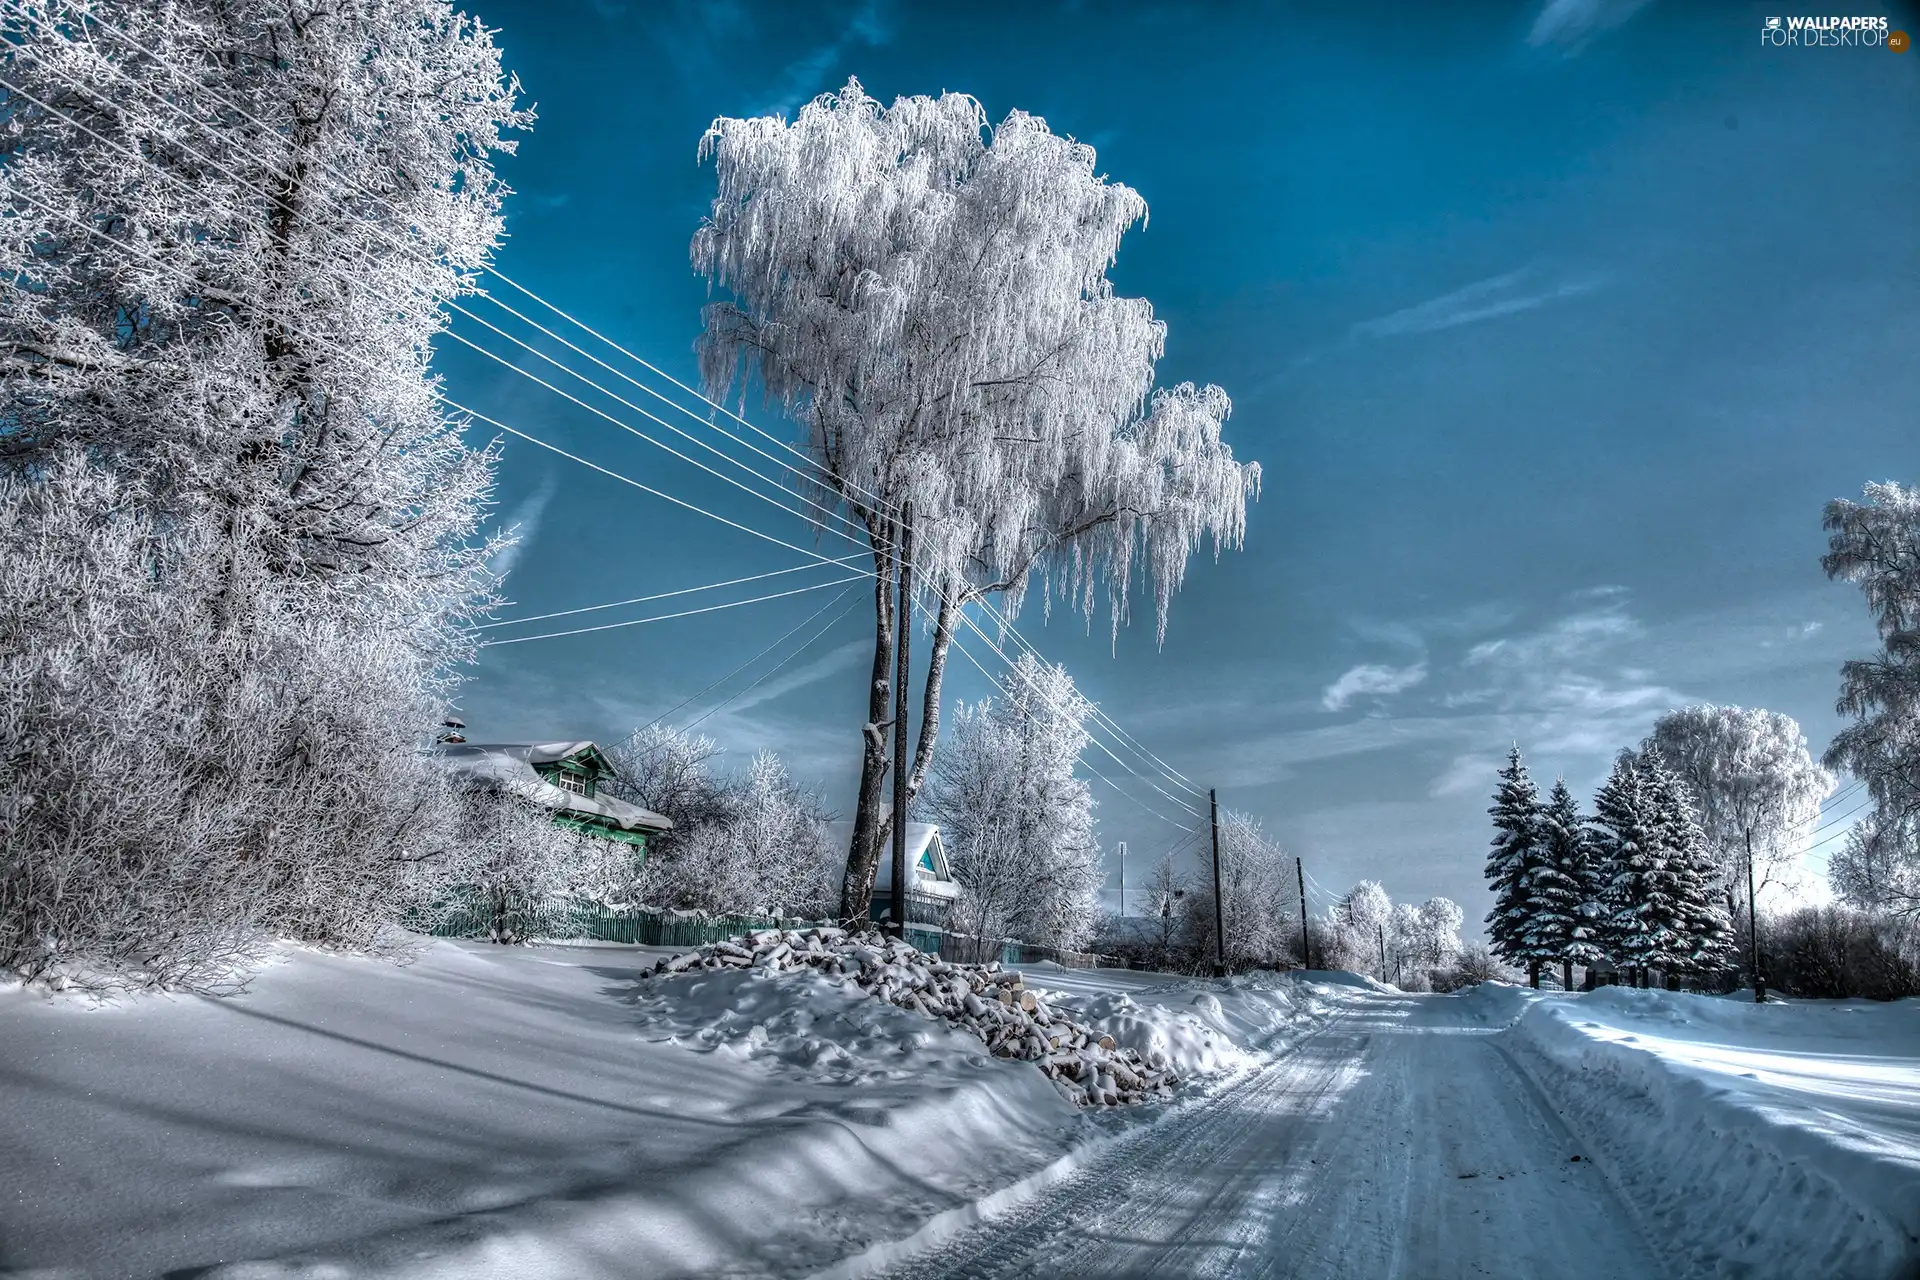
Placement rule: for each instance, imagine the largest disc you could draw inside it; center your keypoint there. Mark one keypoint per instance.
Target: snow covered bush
(1841, 953)
(1259, 904)
(1017, 822)
(928, 297)
(242, 536)
(752, 845)
(521, 870)
(766, 853)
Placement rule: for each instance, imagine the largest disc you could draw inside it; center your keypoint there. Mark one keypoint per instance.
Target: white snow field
(544, 1112)
(530, 1112)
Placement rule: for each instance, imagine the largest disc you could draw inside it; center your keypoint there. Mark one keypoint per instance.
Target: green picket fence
(470, 915)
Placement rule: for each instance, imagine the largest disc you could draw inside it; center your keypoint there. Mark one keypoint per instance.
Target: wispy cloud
(805, 674)
(1501, 295)
(805, 76)
(525, 525)
(1573, 24)
(1466, 773)
(1372, 680)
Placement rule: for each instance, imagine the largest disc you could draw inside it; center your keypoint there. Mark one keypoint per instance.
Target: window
(573, 782)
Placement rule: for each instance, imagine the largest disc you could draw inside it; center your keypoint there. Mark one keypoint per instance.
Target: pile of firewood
(991, 1002)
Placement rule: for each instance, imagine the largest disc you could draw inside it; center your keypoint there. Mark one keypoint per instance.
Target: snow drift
(541, 1112)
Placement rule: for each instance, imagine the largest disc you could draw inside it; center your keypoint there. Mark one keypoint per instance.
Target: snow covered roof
(511, 765)
(927, 870)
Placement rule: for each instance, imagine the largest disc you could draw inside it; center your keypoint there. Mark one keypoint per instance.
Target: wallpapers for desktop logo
(1856, 32)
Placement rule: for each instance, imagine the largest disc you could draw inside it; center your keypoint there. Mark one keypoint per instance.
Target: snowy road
(1399, 1141)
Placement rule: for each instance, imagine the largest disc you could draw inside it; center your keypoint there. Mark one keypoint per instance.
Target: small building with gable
(562, 777)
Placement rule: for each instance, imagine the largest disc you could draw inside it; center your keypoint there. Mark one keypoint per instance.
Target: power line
(664, 595)
(360, 188)
(668, 617)
(988, 641)
(683, 703)
(776, 668)
(1166, 770)
(965, 653)
(438, 395)
(465, 341)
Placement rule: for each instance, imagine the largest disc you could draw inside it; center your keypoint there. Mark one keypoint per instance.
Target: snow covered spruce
(991, 1002)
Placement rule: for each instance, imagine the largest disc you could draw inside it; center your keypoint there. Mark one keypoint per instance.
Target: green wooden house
(562, 777)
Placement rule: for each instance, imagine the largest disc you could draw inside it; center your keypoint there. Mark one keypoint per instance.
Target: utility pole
(1753, 929)
(1123, 879)
(1380, 931)
(1300, 877)
(902, 670)
(1219, 916)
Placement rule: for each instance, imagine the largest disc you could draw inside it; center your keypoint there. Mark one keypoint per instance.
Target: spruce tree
(1510, 865)
(1702, 933)
(1565, 893)
(1627, 841)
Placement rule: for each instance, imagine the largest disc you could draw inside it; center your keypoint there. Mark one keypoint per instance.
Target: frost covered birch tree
(927, 296)
(241, 535)
(1876, 545)
(1751, 784)
(1017, 823)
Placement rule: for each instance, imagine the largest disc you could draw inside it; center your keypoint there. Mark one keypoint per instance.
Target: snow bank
(727, 998)
(1778, 1139)
(1200, 1028)
(543, 1112)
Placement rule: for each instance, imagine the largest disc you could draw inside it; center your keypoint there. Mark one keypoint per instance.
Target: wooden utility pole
(1219, 916)
(1300, 878)
(1123, 879)
(902, 670)
(1380, 931)
(1753, 930)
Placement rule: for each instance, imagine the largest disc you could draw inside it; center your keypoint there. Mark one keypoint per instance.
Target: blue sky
(1552, 327)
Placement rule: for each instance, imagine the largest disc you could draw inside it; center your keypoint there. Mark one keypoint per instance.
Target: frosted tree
(1420, 941)
(1358, 925)
(927, 297)
(1258, 899)
(1566, 889)
(1875, 869)
(1166, 891)
(242, 535)
(1752, 785)
(1516, 852)
(1434, 942)
(1017, 823)
(671, 772)
(766, 851)
(1876, 546)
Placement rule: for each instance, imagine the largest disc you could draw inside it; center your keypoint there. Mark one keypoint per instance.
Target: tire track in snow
(1393, 1142)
